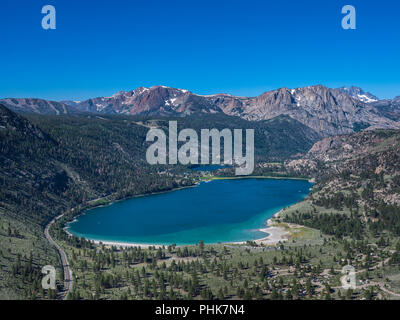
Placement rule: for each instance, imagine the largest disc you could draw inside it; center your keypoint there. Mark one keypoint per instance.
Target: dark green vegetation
(277, 139)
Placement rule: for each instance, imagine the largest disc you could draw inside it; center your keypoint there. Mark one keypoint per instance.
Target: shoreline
(257, 177)
(275, 235)
(116, 243)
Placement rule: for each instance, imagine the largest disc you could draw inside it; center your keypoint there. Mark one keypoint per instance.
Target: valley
(64, 163)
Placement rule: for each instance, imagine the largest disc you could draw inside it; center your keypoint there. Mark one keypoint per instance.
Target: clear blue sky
(241, 47)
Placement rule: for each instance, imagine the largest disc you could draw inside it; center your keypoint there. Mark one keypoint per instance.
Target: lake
(216, 211)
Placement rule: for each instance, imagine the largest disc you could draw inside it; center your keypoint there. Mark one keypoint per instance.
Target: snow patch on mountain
(359, 94)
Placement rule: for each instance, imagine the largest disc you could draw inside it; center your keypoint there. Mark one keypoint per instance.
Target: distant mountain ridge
(389, 108)
(39, 106)
(327, 111)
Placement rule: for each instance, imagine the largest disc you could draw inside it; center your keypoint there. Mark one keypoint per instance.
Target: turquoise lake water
(216, 211)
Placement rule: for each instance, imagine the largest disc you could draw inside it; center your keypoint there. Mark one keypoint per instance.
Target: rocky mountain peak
(359, 94)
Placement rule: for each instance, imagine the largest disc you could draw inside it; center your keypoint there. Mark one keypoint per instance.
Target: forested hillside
(51, 164)
(357, 175)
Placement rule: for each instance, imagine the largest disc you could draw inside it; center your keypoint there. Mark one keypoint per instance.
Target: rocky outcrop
(353, 163)
(352, 146)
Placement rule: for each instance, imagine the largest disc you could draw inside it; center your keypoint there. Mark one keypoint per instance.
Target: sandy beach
(119, 244)
(127, 244)
(275, 234)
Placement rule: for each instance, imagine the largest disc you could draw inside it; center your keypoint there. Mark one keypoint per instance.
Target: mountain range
(327, 111)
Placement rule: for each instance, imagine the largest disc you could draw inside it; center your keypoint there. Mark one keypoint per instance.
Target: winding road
(68, 282)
